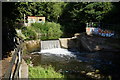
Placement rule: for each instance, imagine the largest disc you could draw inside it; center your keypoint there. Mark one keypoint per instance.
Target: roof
(35, 16)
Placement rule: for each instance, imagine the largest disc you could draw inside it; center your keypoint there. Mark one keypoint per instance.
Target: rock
(77, 34)
(36, 59)
(89, 74)
(33, 45)
(97, 71)
(83, 72)
(96, 75)
(98, 47)
(110, 78)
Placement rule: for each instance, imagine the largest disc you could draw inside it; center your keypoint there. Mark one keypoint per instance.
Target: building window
(40, 19)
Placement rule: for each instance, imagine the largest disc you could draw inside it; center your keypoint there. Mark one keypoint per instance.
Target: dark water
(84, 65)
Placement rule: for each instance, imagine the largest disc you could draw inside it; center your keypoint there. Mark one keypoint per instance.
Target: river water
(84, 65)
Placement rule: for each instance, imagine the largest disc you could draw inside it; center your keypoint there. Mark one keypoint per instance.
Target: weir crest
(50, 44)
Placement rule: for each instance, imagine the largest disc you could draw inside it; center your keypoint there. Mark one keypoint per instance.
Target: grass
(47, 72)
(28, 61)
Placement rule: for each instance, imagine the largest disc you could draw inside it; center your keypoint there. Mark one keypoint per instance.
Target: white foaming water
(56, 55)
(57, 51)
(60, 54)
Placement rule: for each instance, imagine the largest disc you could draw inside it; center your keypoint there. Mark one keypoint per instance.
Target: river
(85, 65)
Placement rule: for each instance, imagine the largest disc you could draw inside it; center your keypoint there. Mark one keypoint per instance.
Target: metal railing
(14, 69)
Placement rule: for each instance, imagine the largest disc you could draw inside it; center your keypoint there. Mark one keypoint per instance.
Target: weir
(50, 44)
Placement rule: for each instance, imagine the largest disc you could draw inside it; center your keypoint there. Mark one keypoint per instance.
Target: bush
(49, 29)
(54, 30)
(39, 27)
(41, 72)
(29, 33)
(19, 34)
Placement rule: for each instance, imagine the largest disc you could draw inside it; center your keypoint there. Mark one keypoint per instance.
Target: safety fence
(14, 69)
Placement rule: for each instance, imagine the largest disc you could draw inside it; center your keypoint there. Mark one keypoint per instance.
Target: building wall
(33, 19)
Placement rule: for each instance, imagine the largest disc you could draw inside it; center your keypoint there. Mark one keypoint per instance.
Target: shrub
(19, 34)
(41, 72)
(29, 33)
(50, 29)
(54, 30)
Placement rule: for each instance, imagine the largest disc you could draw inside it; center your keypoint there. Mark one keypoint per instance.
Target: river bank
(99, 43)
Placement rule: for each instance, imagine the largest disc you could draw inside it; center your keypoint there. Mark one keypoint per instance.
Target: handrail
(15, 63)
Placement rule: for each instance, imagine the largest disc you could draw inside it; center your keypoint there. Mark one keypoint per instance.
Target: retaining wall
(32, 45)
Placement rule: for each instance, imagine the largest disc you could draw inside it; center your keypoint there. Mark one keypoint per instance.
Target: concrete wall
(68, 42)
(64, 42)
(79, 42)
(71, 43)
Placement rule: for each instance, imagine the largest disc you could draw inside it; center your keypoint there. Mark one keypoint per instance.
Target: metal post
(24, 19)
(19, 56)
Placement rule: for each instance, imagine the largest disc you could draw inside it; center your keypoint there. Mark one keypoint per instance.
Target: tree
(75, 15)
(8, 31)
(97, 10)
(50, 10)
(113, 15)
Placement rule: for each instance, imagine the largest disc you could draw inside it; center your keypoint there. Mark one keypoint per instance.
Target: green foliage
(47, 72)
(70, 15)
(19, 34)
(50, 29)
(40, 27)
(50, 10)
(54, 30)
(113, 16)
(75, 15)
(97, 10)
(29, 33)
(28, 61)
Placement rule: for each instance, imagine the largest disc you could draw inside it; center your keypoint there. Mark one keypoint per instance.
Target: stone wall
(32, 45)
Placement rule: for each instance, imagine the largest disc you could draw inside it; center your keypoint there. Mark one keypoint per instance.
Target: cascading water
(50, 44)
(52, 51)
(51, 47)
